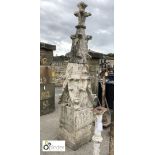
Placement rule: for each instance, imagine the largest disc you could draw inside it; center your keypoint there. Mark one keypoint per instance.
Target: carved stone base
(76, 106)
(75, 127)
(74, 142)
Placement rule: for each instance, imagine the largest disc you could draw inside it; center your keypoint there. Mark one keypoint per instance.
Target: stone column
(97, 138)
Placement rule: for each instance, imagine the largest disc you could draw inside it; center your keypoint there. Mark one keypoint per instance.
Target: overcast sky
(57, 23)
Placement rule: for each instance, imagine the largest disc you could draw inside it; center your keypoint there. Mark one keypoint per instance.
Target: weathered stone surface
(76, 106)
(79, 49)
(77, 87)
(46, 74)
(77, 99)
(75, 126)
(47, 87)
(47, 98)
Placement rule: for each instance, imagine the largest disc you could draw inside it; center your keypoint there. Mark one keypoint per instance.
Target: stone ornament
(76, 101)
(79, 49)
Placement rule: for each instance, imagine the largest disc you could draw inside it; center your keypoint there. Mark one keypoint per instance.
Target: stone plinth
(75, 126)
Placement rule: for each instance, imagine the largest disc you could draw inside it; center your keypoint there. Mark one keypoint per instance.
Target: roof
(96, 55)
(60, 58)
(47, 46)
(93, 54)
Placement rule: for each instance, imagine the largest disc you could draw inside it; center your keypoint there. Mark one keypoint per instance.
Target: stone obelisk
(77, 99)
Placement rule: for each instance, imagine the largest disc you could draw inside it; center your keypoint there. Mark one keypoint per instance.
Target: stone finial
(81, 14)
(82, 6)
(79, 49)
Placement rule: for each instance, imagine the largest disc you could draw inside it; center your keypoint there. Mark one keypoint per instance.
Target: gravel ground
(49, 125)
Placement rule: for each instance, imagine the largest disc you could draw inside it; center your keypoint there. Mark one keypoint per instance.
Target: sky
(57, 24)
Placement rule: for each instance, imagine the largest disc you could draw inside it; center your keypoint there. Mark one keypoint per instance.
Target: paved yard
(49, 125)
